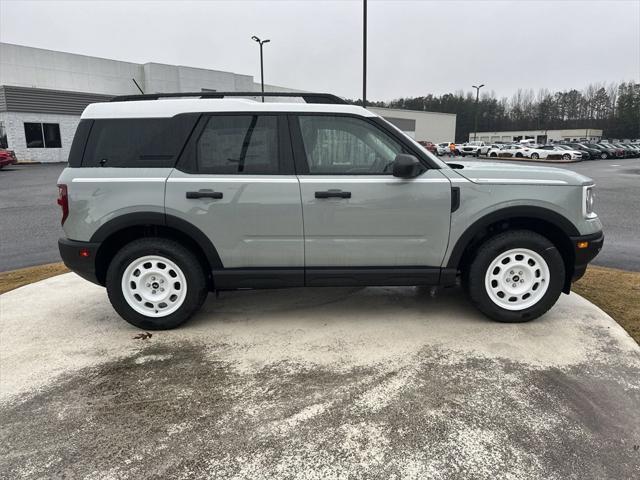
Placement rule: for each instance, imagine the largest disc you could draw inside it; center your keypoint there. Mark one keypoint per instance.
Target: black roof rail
(307, 97)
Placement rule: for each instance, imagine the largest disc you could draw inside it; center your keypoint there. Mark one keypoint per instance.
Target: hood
(511, 173)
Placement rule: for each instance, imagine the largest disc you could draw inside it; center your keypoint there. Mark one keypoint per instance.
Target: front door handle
(333, 194)
(204, 194)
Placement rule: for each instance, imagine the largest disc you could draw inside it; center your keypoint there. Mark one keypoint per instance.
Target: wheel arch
(121, 230)
(557, 228)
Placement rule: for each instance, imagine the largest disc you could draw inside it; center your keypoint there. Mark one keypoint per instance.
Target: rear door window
(239, 144)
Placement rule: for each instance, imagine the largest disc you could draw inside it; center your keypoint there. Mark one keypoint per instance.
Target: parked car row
(619, 150)
(535, 152)
(564, 150)
(7, 157)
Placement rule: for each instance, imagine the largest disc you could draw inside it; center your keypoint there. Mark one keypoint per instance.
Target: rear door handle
(333, 194)
(204, 194)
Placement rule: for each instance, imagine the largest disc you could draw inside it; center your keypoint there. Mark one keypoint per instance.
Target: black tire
(518, 155)
(604, 155)
(493, 154)
(535, 156)
(196, 282)
(490, 250)
(566, 156)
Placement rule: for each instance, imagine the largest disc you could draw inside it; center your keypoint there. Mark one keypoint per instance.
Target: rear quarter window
(137, 142)
(79, 143)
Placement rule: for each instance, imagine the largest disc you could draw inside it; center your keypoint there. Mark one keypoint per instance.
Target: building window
(3, 136)
(42, 135)
(51, 135)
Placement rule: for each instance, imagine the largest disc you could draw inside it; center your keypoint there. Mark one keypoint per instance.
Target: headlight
(588, 201)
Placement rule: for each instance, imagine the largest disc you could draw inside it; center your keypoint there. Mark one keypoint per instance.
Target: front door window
(346, 146)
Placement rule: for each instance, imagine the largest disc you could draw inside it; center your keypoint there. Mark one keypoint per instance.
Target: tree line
(614, 108)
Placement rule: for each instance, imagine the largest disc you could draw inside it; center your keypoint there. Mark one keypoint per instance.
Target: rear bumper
(80, 257)
(585, 253)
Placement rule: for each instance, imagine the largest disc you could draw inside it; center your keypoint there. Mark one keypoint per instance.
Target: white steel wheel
(154, 286)
(517, 279)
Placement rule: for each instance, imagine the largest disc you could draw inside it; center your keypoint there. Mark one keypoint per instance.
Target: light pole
(261, 42)
(475, 128)
(364, 53)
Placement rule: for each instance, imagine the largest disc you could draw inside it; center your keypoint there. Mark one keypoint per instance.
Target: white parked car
(443, 148)
(511, 151)
(575, 154)
(545, 151)
(484, 150)
(471, 148)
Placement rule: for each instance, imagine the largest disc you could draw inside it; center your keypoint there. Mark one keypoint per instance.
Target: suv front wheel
(156, 283)
(516, 276)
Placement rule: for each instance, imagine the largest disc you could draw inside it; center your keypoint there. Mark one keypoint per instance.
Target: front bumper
(586, 248)
(7, 161)
(80, 257)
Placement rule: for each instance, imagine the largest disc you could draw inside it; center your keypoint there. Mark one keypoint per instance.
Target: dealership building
(421, 125)
(540, 136)
(43, 94)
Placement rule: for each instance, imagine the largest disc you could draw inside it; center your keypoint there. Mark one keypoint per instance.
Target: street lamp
(364, 53)
(475, 128)
(261, 42)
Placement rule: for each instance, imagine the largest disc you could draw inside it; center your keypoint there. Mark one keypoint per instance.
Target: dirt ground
(615, 291)
(24, 276)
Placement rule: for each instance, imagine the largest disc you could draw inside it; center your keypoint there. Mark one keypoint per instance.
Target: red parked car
(7, 157)
(432, 147)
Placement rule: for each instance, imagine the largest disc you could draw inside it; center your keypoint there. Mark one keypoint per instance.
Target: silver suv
(167, 199)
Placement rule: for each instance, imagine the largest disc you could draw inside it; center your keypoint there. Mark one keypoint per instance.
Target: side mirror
(406, 166)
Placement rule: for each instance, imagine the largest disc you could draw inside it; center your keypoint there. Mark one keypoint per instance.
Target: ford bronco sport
(167, 199)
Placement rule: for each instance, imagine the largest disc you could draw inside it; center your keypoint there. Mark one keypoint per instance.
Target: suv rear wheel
(516, 276)
(156, 283)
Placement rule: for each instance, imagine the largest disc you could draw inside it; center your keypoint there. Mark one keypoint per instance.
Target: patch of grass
(617, 292)
(18, 278)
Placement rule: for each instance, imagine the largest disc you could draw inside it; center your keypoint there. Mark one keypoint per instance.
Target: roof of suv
(175, 106)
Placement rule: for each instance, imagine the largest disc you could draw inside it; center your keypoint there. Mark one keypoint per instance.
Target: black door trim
(232, 278)
(371, 276)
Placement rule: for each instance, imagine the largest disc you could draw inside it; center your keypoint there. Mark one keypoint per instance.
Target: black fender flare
(144, 219)
(504, 214)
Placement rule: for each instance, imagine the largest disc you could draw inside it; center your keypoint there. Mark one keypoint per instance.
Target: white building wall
(430, 126)
(14, 125)
(39, 68)
(35, 67)
(552, 135)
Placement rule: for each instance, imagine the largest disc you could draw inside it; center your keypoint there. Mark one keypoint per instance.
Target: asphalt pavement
(318, 383)
(29, 215)
(30, 218)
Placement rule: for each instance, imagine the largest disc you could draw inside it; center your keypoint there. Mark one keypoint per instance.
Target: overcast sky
(415, 47)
